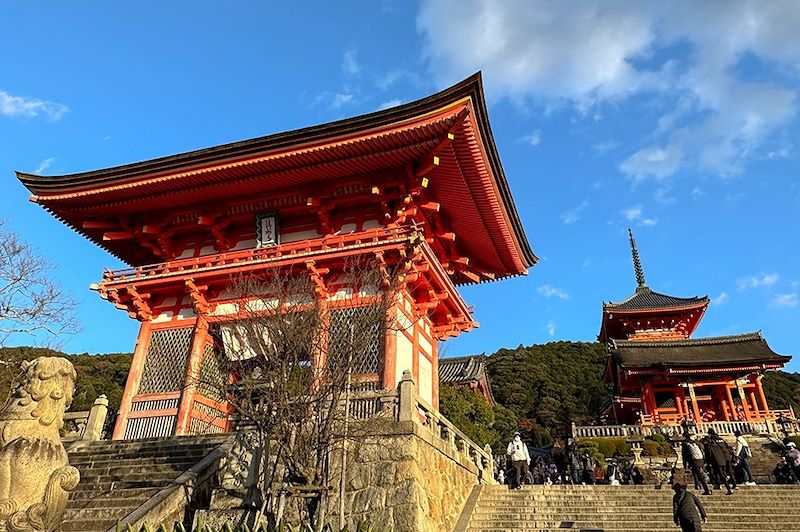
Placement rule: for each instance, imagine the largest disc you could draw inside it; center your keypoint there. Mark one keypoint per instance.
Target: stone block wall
(408, 480)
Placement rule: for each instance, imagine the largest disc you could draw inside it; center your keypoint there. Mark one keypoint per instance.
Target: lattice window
(213, 377)
(359, 329)
(167, 356)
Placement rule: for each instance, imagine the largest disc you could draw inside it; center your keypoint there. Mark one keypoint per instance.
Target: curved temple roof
(471, 184)
(644, 298)
(722, 351)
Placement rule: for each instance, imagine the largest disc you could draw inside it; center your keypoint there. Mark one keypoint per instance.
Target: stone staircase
(118, 477)
(625, 509)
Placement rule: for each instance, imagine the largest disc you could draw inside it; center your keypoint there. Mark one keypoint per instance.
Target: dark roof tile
(722, 351)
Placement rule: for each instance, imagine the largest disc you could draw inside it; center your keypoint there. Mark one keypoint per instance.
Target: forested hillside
(97, 374)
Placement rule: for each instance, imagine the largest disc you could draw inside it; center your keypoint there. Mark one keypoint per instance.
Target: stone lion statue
(35, 475)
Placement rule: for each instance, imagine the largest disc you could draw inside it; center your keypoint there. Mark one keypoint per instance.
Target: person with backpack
(687, 510)
(693, 461)
(517, 451)
(720, 457)
(744, 453)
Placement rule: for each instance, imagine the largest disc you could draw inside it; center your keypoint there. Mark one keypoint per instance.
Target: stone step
(110, 502)
(121, 493)
(125, 465)
(112, 454)
(152, 476)
(88, 525)
(97, 514)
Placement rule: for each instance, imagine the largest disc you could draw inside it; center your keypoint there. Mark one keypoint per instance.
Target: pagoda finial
(637, 263)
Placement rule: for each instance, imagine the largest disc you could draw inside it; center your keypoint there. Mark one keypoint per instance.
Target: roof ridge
(712, 340)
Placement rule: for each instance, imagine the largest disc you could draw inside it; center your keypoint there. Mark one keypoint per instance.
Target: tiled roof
(721, 351)
(462, 369)
(644, 298)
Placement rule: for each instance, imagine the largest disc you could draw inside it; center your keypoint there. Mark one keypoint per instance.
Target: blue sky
(676, 119)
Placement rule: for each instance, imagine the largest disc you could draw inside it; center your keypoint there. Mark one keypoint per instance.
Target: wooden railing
(673, 429)
(290, 250)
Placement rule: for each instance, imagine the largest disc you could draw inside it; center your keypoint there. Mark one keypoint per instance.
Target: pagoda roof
(646, 299)
(743, 350)
(470, 183)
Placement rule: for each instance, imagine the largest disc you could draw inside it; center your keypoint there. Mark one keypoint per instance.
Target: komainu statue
(35, 475)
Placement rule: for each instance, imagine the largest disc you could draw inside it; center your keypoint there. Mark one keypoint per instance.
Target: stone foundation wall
(409, 481)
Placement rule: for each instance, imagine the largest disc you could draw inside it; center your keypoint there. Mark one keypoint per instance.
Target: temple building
(467, 371)
(419, 189)
(659, 374)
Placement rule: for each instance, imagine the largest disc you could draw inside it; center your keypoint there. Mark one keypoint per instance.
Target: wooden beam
(118, 235)
(97, 224)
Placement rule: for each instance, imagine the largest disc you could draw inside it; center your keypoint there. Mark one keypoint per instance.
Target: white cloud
(44, 165)
(551, 291)
(573, 215)
(334, 100)
(350, 63)
(391, 103)
(661, 195)
(605, 146)
(21, 106)
(635, 214)
(533, 138)
(585, 54)
(550, 328)
(786, 300)
(697, 193)
(720, 299)
(755, 281)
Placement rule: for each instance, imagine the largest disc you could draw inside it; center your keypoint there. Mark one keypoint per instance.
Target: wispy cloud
(755, 281)
(605, 146)
(550, 328)
(350, 63)
(22, 106)
(334, 100)
(573, 215)
(635, 214)
(786, 300)
(551, 291)
(533, 139)
(661, 195)
(720, 299)
(391, 103)
(44, 165)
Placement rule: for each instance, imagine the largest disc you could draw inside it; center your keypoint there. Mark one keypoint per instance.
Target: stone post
(97, 419)
(490, 465)
(407, 401)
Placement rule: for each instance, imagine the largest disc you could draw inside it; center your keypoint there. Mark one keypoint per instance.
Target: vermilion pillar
(132, 382)
(192, 376)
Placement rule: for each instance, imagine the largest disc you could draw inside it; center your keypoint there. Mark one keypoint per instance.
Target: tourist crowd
(711, 460)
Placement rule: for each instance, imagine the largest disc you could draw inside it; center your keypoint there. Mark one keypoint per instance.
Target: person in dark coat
(687, 510)
(720, 457)
(693, 460)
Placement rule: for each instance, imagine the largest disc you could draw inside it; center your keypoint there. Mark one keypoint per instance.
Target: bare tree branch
(31, 303)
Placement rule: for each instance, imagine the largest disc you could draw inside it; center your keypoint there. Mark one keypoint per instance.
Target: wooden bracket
(143, 311)
(316, 276)
(197, 294)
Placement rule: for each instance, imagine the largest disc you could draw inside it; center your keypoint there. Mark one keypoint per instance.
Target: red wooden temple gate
(418, 187)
